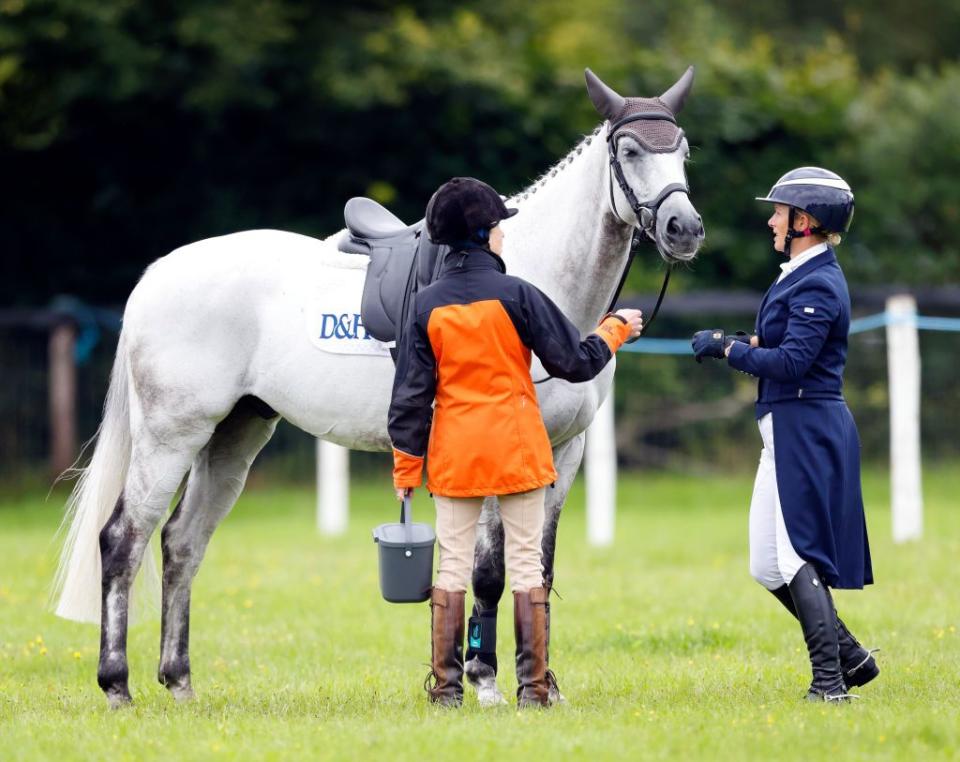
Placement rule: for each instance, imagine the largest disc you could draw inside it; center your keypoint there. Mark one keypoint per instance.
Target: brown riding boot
(447, 610)
(530, 628)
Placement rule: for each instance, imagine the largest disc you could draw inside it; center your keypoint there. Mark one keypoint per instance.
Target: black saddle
(402, 261)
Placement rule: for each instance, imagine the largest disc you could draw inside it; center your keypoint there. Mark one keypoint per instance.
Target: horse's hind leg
(566, 458)
(216, 479)
(489, 575)
(158, 462)
(488, 585)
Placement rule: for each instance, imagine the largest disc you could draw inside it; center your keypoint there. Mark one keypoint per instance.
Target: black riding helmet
(463, 209)
(820, 193)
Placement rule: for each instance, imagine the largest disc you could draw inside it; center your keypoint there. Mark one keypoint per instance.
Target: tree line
(127, 129)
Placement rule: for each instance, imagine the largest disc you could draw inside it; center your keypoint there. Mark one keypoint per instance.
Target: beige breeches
(522, 516)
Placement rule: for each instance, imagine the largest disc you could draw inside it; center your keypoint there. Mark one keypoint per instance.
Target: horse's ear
(676, 96)
(605, 99)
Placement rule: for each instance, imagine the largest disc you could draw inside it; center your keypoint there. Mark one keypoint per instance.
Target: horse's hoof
(554, 696)
(490, 696)
(483, 678)
(118, 699)
(175, 677)
(182, 694)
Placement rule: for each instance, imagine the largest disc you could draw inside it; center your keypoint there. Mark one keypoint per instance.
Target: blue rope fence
(90, 321)
(860, 325)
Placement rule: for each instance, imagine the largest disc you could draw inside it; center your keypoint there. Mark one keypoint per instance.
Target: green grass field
(664, 645)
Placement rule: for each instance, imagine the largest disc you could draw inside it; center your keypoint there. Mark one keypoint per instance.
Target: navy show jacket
(802, 326)
(806, 361)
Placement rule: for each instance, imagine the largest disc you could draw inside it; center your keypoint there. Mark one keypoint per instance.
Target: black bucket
(406, 558)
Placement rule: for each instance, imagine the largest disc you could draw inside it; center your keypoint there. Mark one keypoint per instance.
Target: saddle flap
(402, 261)
(388, 280)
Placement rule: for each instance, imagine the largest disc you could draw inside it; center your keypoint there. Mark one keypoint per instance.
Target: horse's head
(648, 150)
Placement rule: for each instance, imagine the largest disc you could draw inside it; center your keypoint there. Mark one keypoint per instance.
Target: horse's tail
(77, 585)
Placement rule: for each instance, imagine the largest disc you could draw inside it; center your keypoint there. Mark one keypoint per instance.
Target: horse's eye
(629, 152)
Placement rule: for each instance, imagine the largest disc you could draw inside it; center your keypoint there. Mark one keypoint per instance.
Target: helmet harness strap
(791, 233)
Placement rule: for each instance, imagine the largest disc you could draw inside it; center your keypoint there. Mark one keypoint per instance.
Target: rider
(467, 349)
(807, 527)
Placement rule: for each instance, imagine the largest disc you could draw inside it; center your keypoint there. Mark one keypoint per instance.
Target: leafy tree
(127, 129)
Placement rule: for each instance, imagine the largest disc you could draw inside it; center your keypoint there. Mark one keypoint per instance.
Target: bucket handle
(406, 518)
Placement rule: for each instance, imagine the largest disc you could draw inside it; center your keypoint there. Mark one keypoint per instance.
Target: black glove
(714, 342)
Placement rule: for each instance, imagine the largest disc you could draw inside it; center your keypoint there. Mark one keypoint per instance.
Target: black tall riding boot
(818, 621)
(858, 665)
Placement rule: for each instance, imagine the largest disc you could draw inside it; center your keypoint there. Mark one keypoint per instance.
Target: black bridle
(645, 212)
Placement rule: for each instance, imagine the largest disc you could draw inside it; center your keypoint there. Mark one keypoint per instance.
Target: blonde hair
(833, 239)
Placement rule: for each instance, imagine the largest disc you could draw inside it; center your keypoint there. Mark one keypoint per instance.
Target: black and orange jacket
(468, 348)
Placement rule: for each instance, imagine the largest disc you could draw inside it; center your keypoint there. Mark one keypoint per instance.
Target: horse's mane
(556, 168)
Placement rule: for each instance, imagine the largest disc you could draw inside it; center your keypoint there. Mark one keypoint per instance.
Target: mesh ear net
(655, 135)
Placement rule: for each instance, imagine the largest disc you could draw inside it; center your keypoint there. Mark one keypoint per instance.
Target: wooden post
(600, 472)
(63, 396)
(903, 369)
(333, 487)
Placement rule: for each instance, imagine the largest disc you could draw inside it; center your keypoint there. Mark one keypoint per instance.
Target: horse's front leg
(488, 584)
(566, 459)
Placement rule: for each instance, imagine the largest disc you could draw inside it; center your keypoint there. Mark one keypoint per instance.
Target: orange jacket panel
(468, 349)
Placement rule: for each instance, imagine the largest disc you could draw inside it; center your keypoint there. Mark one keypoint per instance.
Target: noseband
(646, 211)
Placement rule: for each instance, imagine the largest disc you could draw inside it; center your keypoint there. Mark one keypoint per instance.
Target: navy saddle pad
(402, 261)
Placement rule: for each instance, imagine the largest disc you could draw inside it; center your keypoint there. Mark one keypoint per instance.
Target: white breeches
(773, 561)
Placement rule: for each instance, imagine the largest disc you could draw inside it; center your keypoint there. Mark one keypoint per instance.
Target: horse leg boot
(530, 629)
(489, 581)
(859, 666)
(446, 664)
(481, 660)
(818, 621)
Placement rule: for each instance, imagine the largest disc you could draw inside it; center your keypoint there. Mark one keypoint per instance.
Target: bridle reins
(645, 213)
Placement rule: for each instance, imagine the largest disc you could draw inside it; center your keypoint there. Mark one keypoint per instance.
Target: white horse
(220, 339)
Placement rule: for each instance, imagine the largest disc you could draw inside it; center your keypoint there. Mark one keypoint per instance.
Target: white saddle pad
(333, 324)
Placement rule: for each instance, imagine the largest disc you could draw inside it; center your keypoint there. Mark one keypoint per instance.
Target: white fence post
(600, 471)
(903, 368)
(333, 487)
